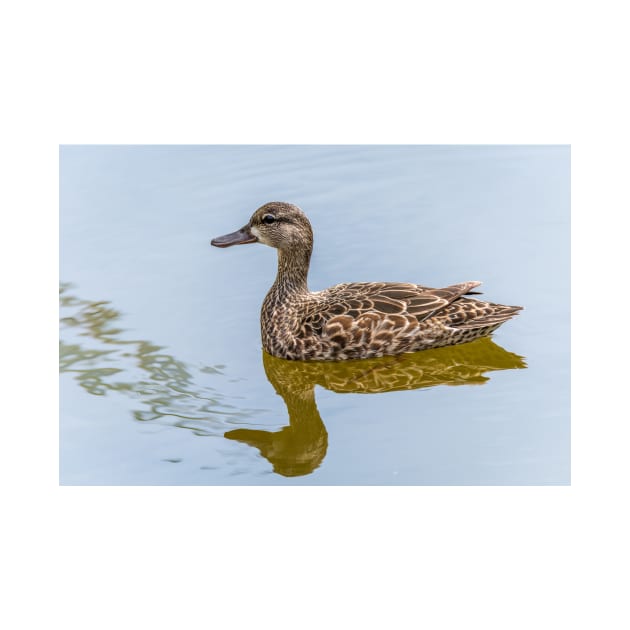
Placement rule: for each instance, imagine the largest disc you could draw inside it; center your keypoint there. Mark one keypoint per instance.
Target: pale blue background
(135, 229)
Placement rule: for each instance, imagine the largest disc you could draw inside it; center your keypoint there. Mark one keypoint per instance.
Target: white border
(343, 72)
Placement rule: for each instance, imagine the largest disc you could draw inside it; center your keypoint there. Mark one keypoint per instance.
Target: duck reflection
(167, 391)
(300, 447)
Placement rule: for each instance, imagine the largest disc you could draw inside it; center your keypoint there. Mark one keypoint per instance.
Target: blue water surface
(160, 342)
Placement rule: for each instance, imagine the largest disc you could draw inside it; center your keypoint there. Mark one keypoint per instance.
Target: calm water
(163, 380)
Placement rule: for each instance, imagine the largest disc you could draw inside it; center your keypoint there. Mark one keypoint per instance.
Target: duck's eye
(269, 219)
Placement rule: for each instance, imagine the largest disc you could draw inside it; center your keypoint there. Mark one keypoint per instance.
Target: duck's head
(277, 224)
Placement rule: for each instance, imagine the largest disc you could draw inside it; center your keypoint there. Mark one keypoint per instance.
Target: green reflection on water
(168, 391)
(94, 351)
(300, 447)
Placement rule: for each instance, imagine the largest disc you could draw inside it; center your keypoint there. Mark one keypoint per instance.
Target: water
(163, 380)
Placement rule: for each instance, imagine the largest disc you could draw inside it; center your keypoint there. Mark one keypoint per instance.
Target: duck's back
(364, 320)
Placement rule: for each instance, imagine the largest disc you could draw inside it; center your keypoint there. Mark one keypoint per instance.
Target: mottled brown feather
(355, 320)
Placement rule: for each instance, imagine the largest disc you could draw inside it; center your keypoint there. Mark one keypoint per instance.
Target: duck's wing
(396, 302)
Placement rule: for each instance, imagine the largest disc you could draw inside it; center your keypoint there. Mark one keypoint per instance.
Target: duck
(355, 320)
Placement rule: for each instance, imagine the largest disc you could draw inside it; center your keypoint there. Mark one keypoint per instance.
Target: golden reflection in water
(93, 349)
(300, 447)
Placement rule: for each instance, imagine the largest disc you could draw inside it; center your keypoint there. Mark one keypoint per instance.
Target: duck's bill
(240, 237)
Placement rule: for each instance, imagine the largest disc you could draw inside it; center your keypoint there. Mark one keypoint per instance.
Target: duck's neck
(292, 271)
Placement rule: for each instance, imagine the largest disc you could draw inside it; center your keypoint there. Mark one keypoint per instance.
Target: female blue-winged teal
(354, 320)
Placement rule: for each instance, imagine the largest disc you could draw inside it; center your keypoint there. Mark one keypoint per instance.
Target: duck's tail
(498, 315)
